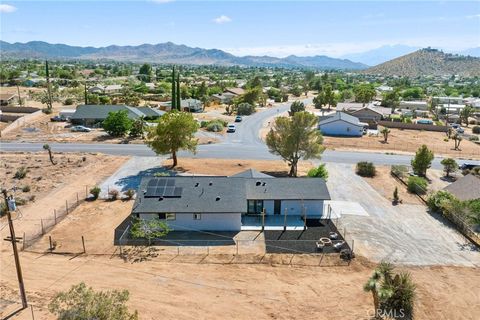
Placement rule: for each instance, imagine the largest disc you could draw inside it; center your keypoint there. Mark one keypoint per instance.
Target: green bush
(437, 200)
(366, 169)
(319, 172)
(417, 185)
(215, 126)
(26, 188)
(129, 194)
(245, 109)
(113, 193)
(68, 102)
(476, 129)
(204, 123)
(473, 138)
(21, 173)
(399, 170)
(95, 192)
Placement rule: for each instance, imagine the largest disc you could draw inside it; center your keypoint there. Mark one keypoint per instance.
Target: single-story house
(465, 188)
(414, 105)
(342, 124)
(189, 105)
(91, 115)
(371, 114)
(7, 98)
(223, 98)
(450, 108)
(447, 100)
(112, 88)
(243, 201)
(235, 91)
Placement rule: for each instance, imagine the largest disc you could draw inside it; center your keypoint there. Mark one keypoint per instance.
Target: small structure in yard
(465, 188)
(249, 200)
(189, 105)
(342, 124)
(7, 98)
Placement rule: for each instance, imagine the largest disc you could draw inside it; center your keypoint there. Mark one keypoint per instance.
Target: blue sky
(276, 28)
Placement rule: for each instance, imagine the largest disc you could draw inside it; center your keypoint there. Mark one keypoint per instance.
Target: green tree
(466, 113)
(319, 172)
(82, 302)
(145, 73)
(449, 166)
(138, 128)
(149, 229)
(295, 138)
(296, 106)
(422, 161)
(175, 130)
(117, 124)
(376, 284)
(364, 93)
(391, 100)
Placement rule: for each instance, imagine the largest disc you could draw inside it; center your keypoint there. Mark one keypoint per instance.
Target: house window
(197, 216)
(255, 206)
(161, 216)
(170, 216)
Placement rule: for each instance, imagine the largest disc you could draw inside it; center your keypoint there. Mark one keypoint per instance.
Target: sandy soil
(227, 167)
(407, 141)
(385, 184)
(239, 291)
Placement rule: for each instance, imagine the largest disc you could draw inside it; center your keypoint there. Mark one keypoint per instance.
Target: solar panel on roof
(168, 191)
(177, 192)
(170, 183)
(161, 182)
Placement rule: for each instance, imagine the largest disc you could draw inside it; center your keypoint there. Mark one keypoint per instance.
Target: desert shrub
(26, 188)
(47, 111)
(437, 200)
(215, 126)
(3, 209)
(204, 123)
(476, 129)
(20, 201)
(245, 109)
(21, 173)
(319, 172)
(129, 194)
(365, 169)
(399, 170)
(95, 192)
(113, 194)
(31, 198)
(68, 102)
(417, 185)
(473, 138)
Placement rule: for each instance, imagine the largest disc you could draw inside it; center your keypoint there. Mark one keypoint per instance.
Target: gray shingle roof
(465, 188)
(251, 173)
(228, 194)
(341, 116)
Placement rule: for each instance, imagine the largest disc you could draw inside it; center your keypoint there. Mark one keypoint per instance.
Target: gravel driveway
(404, 234)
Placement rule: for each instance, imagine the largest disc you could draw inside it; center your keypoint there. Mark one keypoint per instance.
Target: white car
(80, 129)
(231, 128)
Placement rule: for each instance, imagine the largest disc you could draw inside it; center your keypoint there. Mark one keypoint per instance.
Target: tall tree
(466, 113)
(295, 138)
(177, 93)
(422, 161)
(296, 106)
(364, 93)
(117, 124)
(145, 72)
(174, 90)
(391, 100)
(174, 131)
(49, 89)
(449, 166)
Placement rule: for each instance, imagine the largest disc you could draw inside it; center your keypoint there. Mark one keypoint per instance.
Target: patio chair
(338, 245)
(319, 245)
(333, 235)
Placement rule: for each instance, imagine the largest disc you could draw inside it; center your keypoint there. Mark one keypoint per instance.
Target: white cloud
(473, 16)
(222, 19)
(6, 8)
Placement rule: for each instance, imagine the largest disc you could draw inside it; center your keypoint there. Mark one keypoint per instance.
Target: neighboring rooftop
(344, 117)
(465, 188)
(101, 111)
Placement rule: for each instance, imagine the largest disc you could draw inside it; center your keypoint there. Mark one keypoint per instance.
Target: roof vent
(217, 199)
(197, 184)
(258, 183)
(160, 198)
(264, 184)
(144, 191)
(210, 183)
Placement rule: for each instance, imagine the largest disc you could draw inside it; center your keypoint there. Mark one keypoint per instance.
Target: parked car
(57, 119)
(468, 166)
(231, 128)
(238, 119)
(460, 130)
(80, 129)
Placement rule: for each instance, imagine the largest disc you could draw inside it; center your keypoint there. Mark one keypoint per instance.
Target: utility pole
(15, 252)
(19, 97)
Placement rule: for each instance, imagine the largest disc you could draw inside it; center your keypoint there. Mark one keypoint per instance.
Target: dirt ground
(228, 167)
(237, 291)
(406, 141)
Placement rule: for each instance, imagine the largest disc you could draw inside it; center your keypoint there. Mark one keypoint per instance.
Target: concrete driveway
(403, 234)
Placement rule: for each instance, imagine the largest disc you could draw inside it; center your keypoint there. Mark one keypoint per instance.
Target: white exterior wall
(312, 207)
(268, 205)
(208, 221)
(341, 128)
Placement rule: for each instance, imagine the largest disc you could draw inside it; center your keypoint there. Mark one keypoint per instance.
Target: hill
(428, 62)
(167, 53)
(380, 55)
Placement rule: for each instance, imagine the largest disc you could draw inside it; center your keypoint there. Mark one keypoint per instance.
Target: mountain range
(428, 62)
(167, 53)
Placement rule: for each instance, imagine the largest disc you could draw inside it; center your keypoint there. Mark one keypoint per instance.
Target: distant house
(189, 105)
(7, 98)
(223, 98)
(342, 124)
(371, 114)
(245, 201)
(465, 188)
(99, 89)
(414, 105)
(93, 115)
(235, 91)
(34, 82)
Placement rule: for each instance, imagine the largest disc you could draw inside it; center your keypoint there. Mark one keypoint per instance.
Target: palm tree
(385, 131)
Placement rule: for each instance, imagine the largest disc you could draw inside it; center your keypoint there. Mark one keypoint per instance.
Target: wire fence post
(66, 205)
(50, 242)
(23, 242)
(353, 242)
(83, 244)
(237, 247)
(41, 222)
(77, 200)
(33, 315)
(86, 191)
(55, 215)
